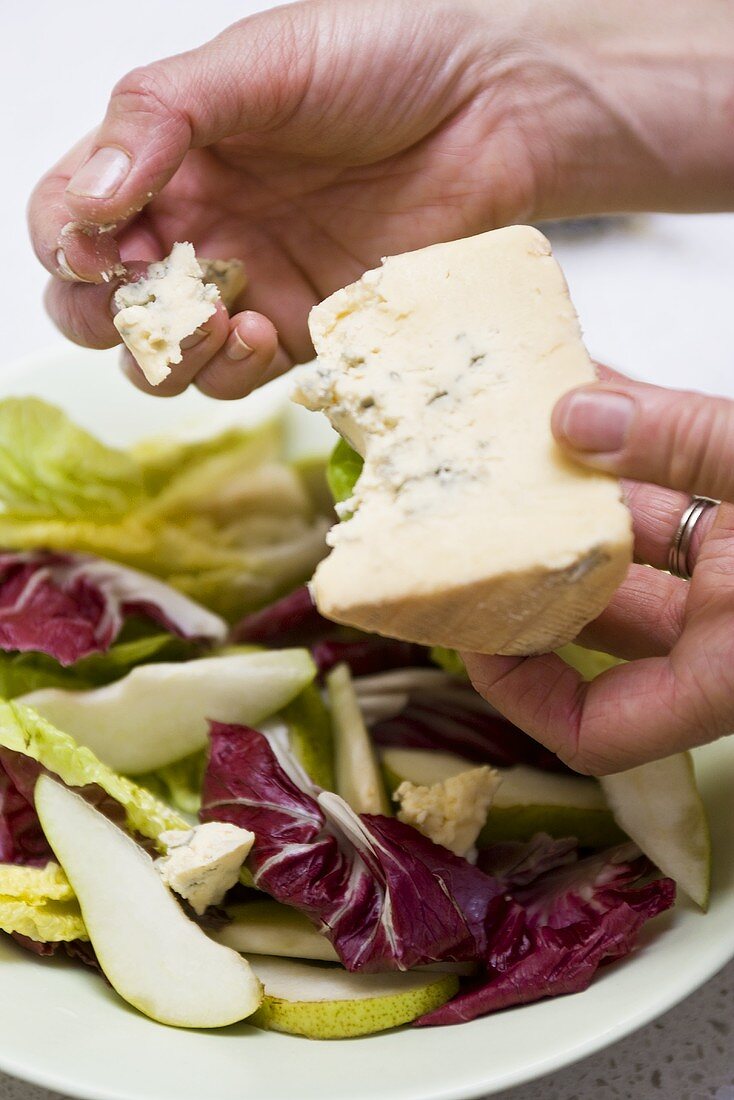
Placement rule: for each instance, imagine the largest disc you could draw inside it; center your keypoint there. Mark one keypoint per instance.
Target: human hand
(677, 690)
(311, 140)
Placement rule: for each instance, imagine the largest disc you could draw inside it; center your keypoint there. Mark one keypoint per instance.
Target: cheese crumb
(451, 813)
(164, 307)
(203, 863)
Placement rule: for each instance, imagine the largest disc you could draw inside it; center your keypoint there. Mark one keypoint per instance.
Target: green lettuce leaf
(34, 885)
(47, 922)
(589, 662)
(178, 784)
(343, 470)
(225, 520)
(39, 902)
(311, 736)
(51, 468)
(449, 660)
(24, 672)
(25, 732)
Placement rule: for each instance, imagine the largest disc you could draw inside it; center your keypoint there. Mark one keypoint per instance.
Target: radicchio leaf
(458, 721)
(70, 606)
(21, 837)
(386, 897)
(78, 950)
(294, 620)
(559, 929)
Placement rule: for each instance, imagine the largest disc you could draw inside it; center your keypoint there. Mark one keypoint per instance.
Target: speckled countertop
(654, 296)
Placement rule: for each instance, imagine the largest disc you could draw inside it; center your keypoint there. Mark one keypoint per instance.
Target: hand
(678, 689)
(311, 140)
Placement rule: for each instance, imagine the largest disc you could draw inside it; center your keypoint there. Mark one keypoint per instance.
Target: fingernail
(596, 421)
(101, 175)
(195, 338)
(65, 269)
(236, 348)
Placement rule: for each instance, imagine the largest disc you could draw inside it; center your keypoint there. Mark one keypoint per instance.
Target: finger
(197, 349)
(679, 440)
(249, 357)
(629, 715)
(644, 618)
(83, 312)
(245, 80)
(656, 514)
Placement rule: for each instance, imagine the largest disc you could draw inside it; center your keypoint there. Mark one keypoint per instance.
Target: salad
(234, 809)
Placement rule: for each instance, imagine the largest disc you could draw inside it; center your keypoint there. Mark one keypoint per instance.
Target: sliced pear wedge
(159, 713)
(328, 1002)
(659, 806)
(267, 928)
(527, 801)
(153, 955)
(359, 780)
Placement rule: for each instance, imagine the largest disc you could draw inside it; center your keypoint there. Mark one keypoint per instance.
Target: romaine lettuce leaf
(50, 922)
(39, 903)
(343, 470)
(50, 468)
(25, 736)
(224, 520)
(178, 784)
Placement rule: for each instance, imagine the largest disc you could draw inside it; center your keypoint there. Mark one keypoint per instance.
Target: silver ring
(681, 544)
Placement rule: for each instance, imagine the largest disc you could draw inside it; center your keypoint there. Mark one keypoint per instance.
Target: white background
(654, 296)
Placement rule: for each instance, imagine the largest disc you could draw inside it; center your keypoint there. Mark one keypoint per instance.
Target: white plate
(63, 1028)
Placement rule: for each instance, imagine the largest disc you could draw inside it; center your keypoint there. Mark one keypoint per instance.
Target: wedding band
(681, 544)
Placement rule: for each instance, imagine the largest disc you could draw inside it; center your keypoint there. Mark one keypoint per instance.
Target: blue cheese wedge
(469, 527)
(160, 310)
(202, 863)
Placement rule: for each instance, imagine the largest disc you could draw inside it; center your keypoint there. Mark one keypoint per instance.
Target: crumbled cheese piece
(228, 276)
(164, 307)
(203, 863)
(453, 812)
(470, 528)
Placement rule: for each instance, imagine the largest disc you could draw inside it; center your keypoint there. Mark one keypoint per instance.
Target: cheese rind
(470, 528)
(160, 310)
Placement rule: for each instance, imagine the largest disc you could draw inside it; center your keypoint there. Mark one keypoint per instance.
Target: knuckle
(147, 90)
(699, 446)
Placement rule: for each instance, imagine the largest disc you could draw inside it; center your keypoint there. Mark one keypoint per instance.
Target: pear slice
(359, 780)
(153, 955)
(268, 928)
(328, 1002)
(527, 801)
(660, 807)
(159, 713)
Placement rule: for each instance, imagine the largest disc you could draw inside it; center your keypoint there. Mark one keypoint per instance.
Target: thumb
(672, 438)
(243, 80)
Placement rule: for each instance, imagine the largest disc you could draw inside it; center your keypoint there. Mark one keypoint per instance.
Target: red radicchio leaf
(294, 620)
(79, 950)
(21, 836)
(559, 930)
(72, 605)
(464, 726)
(26, 841)
(386, 897)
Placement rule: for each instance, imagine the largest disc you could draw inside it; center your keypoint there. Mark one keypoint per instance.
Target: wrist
(620, 109)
